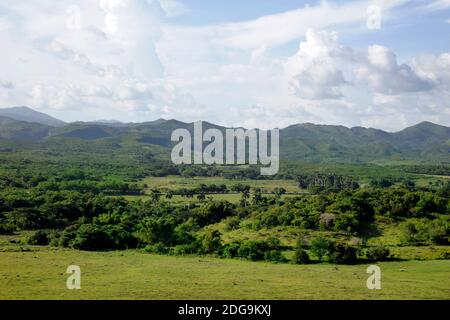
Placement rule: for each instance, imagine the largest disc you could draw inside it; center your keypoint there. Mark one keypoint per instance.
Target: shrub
(445, 255)
(230, 250)
(439, 232)
(347, 222)
(39, 238)
(302, 242)
(158, 248)
(6, 228)
(319, 247)
(68, 235)
(91, 237)
(253, 250)
(378, 253)
(211, 242)
(189, 248)
(153, 230)
(343, 253)
(232, 223)
(274, 256)
(301, 257)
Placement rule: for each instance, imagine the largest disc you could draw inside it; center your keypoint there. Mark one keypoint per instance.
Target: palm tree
(201, 197)
(169, 194)
(245, 197)
(155, 195)
(257, 196)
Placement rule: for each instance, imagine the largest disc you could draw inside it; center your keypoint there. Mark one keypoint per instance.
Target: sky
(252, 63)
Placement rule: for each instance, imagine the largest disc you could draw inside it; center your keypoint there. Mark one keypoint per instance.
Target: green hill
(424, 142)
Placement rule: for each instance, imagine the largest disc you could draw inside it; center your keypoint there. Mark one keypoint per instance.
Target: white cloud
(384, 75)
(313, 70)
(125, 60)
(438, 4)
(174, 8)
(6, 84)
(436, 68)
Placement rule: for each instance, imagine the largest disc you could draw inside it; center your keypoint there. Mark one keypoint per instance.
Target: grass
(40, 274)
(230, 197)
(33, 272)
(178, 182)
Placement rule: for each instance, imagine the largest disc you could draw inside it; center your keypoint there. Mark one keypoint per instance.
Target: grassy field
(40, 274)
(178, 182)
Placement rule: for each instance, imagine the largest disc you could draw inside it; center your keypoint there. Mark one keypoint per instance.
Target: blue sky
(255, 63)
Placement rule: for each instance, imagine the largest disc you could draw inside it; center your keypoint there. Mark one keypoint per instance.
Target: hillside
(29, 115)
(424, 142)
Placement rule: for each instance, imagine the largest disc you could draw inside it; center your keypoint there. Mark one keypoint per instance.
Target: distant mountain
(110, 122)
(11, 129)
(29, 115)
(337, 143)
(306, 142)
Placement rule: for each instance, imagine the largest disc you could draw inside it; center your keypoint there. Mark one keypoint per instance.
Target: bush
(91, 237)
(232, 223)
(347, 222)
(39, 238)
(158, 248)
(230, 250)
(379, 253)
(67, 236)
(301, 257)
(153, 230)
(211, 242)
(6, 228)
(439, 232)
(319, 247)
(189, 248)
(274, 256)
(253, 250)
(445, 255)
(343, 253)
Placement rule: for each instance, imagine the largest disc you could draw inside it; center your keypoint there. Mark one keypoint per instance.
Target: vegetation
(80, 188)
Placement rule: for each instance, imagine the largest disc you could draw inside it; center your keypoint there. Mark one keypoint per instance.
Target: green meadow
(178, 182)
(41, 274)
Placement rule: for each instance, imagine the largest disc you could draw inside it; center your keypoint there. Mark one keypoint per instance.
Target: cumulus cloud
(126, 59)
(436, 68)
(174, 8)
(313, 69)
(6, 84)
(384, 75)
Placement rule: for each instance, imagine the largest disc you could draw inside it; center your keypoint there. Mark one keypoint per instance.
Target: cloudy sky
(255, 63)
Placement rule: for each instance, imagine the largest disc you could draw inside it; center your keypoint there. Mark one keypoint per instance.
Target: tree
(39, 238)
(279, 192)
(245, 197)
(155, 195)
(201, 197)
(169, 194)
(319, 247)
(301, 256)
(257, 196)
(211, 242)
(379, 253)
(342, 253)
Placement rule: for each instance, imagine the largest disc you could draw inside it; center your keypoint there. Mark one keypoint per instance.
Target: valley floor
(40, 273)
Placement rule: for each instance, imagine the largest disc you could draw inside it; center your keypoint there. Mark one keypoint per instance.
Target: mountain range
(425, 141)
